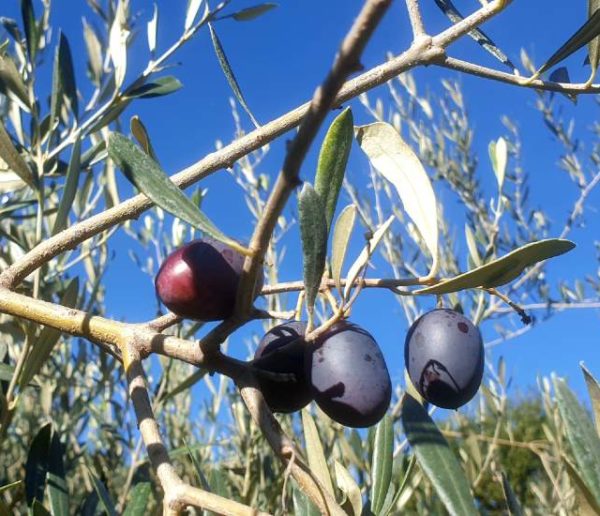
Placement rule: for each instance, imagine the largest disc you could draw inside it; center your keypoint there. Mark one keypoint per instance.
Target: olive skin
(444, 354)
(349, 377)
(200, 280)
(282, 350)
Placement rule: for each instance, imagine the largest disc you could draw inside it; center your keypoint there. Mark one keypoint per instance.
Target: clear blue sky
(279, 59)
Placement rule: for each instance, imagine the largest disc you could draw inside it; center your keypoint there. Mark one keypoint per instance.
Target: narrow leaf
(594, 44)
(58, 491)
(102, 493)
(436, 459)
(313, 230)
(229, 75)
(349, 487)
(314, 451)
(594, 390)
(341, 238)
(70, 190)
(587, 504)
(391, 156)
(12, 485)
(192, 12)
(11, 82)
(36, 467)
(512, 504)
(472, 245)
(190, 381)
(63, 80)
(363, 257)
(499, 156)
(157, 88)
(478, 35)
(151, 31)
(138, 500)
(250, 13)
(13, 159)
(586, 33)
(151, 180)
(333, 158)
(381, 464)
(138, 129)
(94, 52)
(503, 270)
(582, 437)
(302, 504)
(32, 36)
(118, 36)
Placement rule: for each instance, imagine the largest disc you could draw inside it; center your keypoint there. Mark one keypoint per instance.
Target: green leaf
(102, 493)
(436, 459)
(586, 33)
(11, 82)
(138, 500)
(594, 45)
(70, 190)
(229, 75)
(503, 270)
(48, 338)
(341, 238)
(6, 372)
(584, 441)
(349, 487)
(333, 158)
(478, 35)
(594, 390)
(472, 245)
(314, 451)
(313, 230)
(512, 504)
(250, 13)
(36, 467)
(302, 504)
(58, 491)
(12, 485)
(499, 156)
(157, 88)
(151, 180)
(38, 509)
(381, 464)
(393, 158)
(13, 159)
(63, 81)
(31, 30)
(138, 129)
(365, 254)
(586, 503)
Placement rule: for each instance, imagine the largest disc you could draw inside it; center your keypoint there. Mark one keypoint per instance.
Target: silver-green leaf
(381, 464)
(341, 238)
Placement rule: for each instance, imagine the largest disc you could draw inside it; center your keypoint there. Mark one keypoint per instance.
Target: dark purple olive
(282, 350)
(443, 354)
(349, 377)
(200, 280)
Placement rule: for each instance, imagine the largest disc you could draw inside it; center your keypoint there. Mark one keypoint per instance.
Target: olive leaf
(392, 157)
(341, 238)
(152, 181)
(594, 391)
(139, 132)
(156, 88)
(138, 500)
(503, 270)
(498, 151)
(436, 459)
(229, 75)
(250, 13)
(70, 189)
(314, 451)
(594, 44)
(345, 481)
(63, 81)
(313, 230)
(333, 158)
(381, 463)
(13, 159)
(36, 467)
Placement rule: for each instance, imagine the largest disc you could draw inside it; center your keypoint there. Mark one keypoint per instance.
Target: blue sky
(278, 60)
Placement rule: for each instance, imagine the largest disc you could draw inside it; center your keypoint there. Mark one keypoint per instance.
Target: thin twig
(416, 20)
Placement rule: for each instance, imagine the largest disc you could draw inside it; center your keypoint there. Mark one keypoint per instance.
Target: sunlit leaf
(119, 33)
(302, 504)
(70, 189)
(477, 34)
(191, 13)
(499, 156)
(341, 238)
(13, 159)
(94, 52)
(229, 75)
(11, 82)
(151, 30)
(582, 437)
(345, 481)
(391, 156)
(381, 463)
(250, 13)
(333, 158)
(472, 245)
(436, 459)
(313, 230)
(314, 451)
(152, 181)
(156, 88)
(363, 257)
(138, 129)
(503, 270)
(138, 500)
(586, 33)
(587, 504)
(594, 44)
(594, 391)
